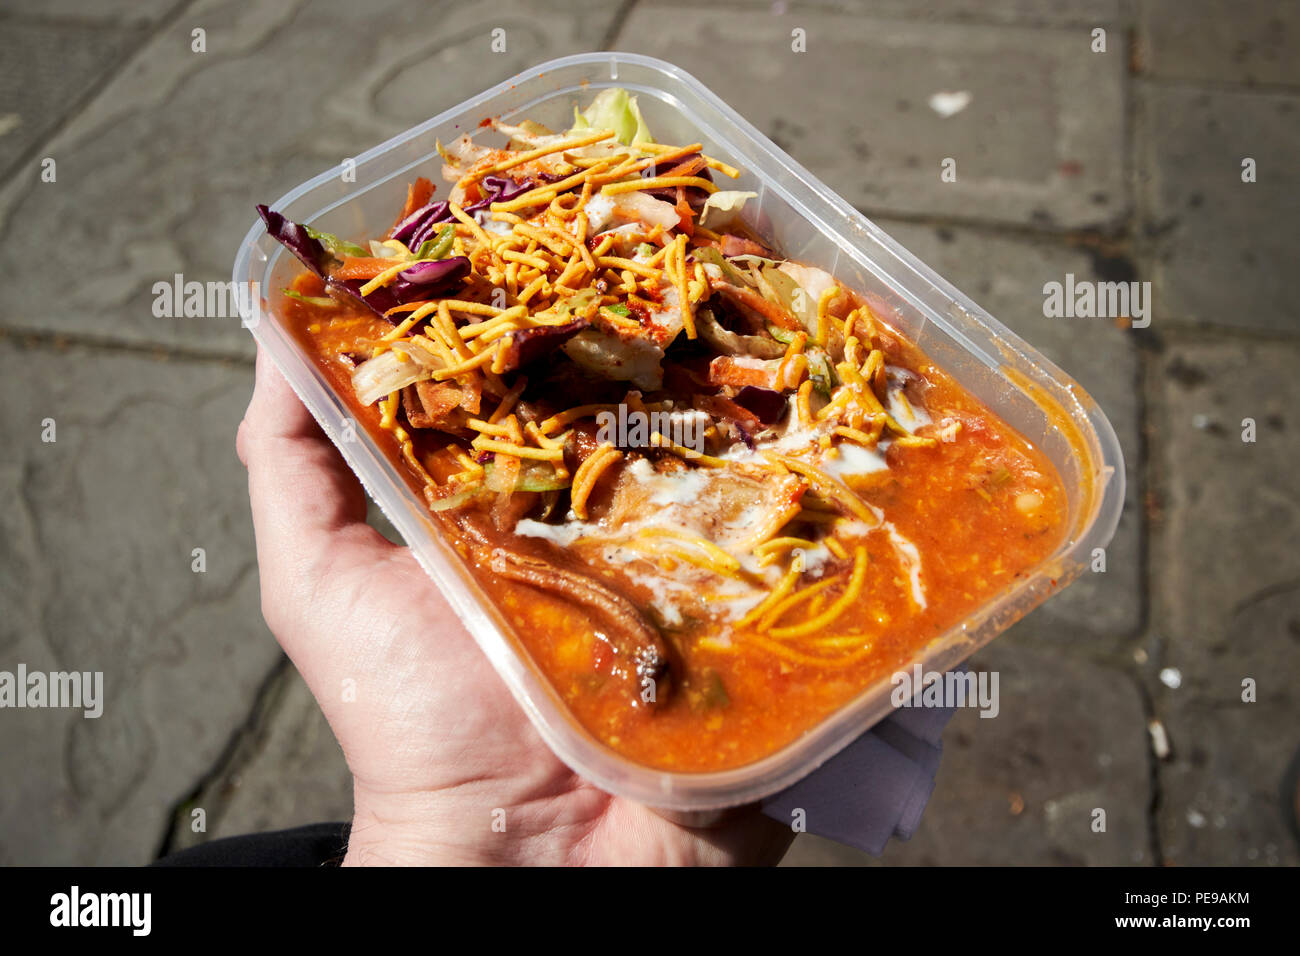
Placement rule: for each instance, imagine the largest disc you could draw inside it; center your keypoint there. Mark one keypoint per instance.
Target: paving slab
(159, 174)
(287, 771)
(105, 11)
(1210, 41)
(1226, 580)
(1006, 274)
(49, 68)
(1019, 12)
(1021, 788)
(1220, 251)
(1040, 140)
(97, 565)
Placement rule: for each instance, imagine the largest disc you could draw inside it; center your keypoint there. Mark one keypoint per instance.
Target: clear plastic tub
(806, 221)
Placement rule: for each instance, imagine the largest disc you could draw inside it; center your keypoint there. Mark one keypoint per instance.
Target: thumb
(308, 508)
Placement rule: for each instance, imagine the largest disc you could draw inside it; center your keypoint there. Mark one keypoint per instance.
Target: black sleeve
(317, 844)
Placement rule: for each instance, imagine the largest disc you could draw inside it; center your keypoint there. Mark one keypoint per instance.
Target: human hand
(433, 739)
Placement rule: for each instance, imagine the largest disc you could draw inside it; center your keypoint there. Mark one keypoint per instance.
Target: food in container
(703, 491)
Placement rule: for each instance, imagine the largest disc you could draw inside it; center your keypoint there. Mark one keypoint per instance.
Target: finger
(307, 505)
(274, 405)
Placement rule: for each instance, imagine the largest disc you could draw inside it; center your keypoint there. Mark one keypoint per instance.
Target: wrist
(421, 828)
(395, 830)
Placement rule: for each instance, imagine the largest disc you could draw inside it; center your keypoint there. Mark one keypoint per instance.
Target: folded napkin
(876, 787)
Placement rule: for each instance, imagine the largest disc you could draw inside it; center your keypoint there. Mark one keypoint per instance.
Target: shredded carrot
(368, 267)
(418, 194)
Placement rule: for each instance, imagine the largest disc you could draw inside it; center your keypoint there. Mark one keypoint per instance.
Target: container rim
(714, 790)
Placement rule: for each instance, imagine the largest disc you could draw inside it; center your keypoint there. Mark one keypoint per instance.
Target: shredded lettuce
(821, 371)
(438, 246)
(460, 498)
(574, 303)
(533, 476)
(614, 109)
(791, 296)
(761, 261)
(722, 203)
(711, 256)
(527, 135)
(784, 336)
(435, 247)
(334, 245)
(323, 301)
(389, 249)
(404, 364)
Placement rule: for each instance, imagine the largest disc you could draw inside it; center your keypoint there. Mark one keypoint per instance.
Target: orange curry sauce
(982, 510)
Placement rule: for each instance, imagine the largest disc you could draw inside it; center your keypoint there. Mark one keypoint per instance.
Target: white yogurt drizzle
(692, 491)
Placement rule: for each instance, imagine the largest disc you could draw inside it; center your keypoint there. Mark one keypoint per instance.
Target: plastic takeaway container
(805, 221)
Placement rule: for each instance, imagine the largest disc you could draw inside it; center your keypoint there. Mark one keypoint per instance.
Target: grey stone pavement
(1117, 165)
